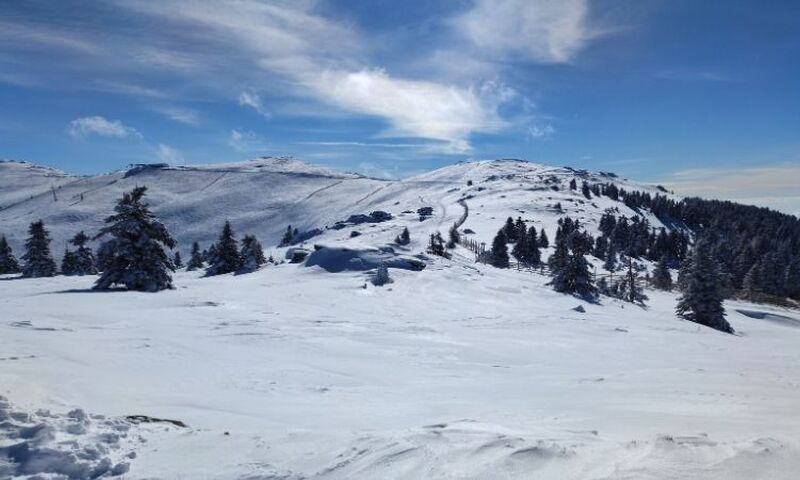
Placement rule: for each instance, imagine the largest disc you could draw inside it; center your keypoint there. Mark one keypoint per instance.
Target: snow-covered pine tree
(404, 238)
(195, 258)
(226, 258)
(381, 276)
(252, 254)
(8, 262)
(499, 252)
(38, 260)
(83, 261)
(702, 298)
(177, 260)
(135, 255)
(662, 279)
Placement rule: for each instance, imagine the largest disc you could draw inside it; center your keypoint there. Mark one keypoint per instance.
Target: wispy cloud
(169, 154)
(546, 31)
(246, 141)
(182, 115)
(366, 144)
(693, 75)
(97, 125)
(541, 131)
(253, 100)
(773, 186)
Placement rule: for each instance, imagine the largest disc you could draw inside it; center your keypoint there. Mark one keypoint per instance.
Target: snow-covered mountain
(264, 196)
(459, 371)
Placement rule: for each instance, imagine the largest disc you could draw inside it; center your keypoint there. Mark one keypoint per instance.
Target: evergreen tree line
(701, 279)
(758, 249)
(134, 255)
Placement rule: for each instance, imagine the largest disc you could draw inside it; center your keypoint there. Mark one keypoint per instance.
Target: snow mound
(340, 259)
(771, 317)
(467, 449)
(71, 446)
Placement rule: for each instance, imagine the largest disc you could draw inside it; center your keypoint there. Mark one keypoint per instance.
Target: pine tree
(177, 260)
(499, 253)
(510, 230)
(37, 258)
(453, 237)
(252, 254)
(571, 272)
(195, 258)
(573, 185)
(791, 278)
(436, 246)
(702, 299)
(610, 262)
(404, 238)
(81, 261)
(662, 279)
(751, 285)
(518, 251)
(532, 256)
(520, 230)
(381, 276)
(226, 257)
(585, 190)
(8, 263)
(68, 263)
(135, 253)
(543, 241)
(631, 291)
(559, 258)
(288, 236)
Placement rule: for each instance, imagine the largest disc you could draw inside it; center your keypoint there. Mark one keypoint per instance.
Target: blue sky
(701, 95)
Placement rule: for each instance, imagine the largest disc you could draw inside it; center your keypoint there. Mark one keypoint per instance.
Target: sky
(700, 96)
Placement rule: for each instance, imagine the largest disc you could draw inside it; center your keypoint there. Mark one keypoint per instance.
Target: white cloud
(168, 154)
(182, 115)
(772, 186)
(538, 132)
(97, 125)
(318, 57)
(246, 141)
(547, 31)
(414, 108)
(253, 100)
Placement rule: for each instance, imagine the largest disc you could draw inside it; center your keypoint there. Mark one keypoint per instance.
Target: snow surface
(458, 371)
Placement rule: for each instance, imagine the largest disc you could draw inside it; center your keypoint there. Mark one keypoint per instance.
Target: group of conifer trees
(700, 282)
(134, 253)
